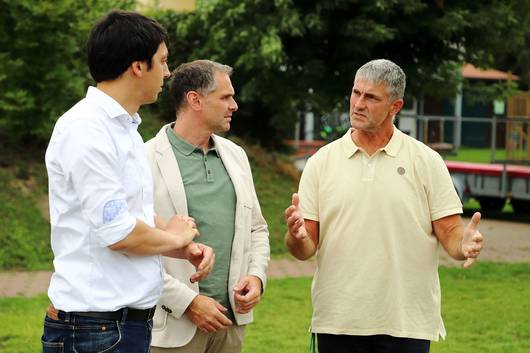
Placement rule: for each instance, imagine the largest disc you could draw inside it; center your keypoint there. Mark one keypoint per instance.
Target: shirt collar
(392, 147)
(349, 147)
(184, 146)
(111, 107)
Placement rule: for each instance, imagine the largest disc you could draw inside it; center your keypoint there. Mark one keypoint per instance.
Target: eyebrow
(366, 94)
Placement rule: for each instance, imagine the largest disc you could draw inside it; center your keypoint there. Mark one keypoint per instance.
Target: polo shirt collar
(392, 147)
(110, 106)
(348, 146)
(184, 146)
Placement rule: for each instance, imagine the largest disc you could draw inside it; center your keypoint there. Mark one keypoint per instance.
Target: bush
(43, 71)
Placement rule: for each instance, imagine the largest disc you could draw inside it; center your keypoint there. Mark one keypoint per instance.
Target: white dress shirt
(99, 184)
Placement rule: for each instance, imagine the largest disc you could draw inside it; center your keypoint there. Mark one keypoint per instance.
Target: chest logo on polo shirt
(401, 170)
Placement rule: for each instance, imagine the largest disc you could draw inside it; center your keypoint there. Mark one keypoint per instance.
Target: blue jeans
(77, 334)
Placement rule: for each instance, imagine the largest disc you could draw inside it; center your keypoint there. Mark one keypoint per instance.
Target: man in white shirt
(105, 238)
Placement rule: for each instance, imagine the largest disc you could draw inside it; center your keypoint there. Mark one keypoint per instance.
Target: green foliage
(275, 179)
(485, 310)
(24, 233)
(291, 56)
(43, 71)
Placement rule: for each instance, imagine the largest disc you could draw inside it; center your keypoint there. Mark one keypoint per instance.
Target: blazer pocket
(159, 319)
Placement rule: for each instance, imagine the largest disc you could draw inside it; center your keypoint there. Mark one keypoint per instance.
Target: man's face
(371, 106)
(219, 104)
(154, 77)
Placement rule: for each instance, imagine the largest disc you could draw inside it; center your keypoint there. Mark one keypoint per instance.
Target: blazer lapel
(169, 169)
(233, 169)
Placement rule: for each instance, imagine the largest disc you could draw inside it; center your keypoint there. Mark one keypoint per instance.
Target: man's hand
(207, 314)
(202, 257)
(182, 226)
(247, 293)
(472, 241)
(295, 221)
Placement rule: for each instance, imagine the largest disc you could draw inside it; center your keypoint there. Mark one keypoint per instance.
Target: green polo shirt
(211, 201)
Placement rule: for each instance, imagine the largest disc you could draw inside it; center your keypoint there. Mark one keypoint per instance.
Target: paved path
(505, 242)
(32, 283)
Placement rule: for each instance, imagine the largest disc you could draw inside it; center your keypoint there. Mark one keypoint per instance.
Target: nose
(167, 73)
(357, 102)
(233, 105)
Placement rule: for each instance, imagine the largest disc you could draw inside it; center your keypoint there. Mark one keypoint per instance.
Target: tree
(43, 71)
(293, 55)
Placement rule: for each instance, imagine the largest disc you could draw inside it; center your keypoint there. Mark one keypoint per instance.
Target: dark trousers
(88, 335)
(370, 344)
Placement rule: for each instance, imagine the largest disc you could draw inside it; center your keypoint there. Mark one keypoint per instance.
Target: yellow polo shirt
(377, 261)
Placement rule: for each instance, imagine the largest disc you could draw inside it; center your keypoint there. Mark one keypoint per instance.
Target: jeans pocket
(52, 347)
(102, 337)
(54, 335)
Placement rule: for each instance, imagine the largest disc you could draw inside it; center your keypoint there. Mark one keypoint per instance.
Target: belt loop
(67, 317)
(124, 314)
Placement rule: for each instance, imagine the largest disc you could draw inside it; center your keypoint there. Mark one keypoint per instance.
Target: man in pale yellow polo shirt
(375, 206)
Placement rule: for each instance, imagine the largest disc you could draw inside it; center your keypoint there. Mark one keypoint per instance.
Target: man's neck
(371, 141)
(187, 128)
(120, 93)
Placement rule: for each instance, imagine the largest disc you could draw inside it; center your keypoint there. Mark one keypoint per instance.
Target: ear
(397, 105)
(137, 68)
(194, 100)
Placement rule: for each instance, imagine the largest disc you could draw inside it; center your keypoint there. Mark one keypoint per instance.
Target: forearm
(450, 232)
(454, 244)
(145, 240)
(302, 249)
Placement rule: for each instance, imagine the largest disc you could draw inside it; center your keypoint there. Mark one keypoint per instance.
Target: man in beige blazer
(207, 177)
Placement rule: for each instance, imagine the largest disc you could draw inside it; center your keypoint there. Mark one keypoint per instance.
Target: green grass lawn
(476, 155)
(485, 309)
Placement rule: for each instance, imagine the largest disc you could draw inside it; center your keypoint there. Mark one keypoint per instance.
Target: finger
(291, 220)
(289, 210)
(220, 307)
(295, 200)
(201, 274)
(475, 220)
(207, 258)
(243, 309)
(195, 250)
(477, 237)
(241, 285)
(469, 262)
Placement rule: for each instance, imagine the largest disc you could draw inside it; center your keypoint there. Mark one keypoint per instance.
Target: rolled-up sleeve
(91, 164)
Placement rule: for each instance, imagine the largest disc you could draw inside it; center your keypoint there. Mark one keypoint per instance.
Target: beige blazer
(250, 249)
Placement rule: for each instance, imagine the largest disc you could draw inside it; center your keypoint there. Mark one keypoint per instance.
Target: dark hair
(196, 76)
(120, 38)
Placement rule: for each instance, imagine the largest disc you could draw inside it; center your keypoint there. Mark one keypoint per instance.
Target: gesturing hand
(247, 293)
(294, 219)
(207, 314)
(202, 257)
(184, 227)
(472, 241)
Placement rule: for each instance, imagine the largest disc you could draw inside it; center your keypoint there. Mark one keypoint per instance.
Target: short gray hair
(196, 76)
(383, 71)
